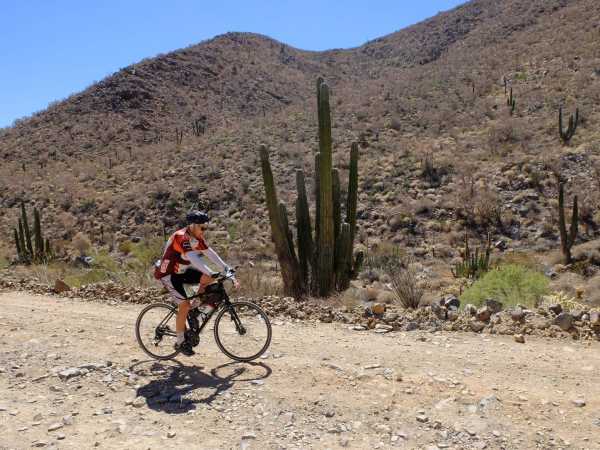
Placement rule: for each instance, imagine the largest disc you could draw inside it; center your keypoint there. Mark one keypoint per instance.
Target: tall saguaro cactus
(323, 263)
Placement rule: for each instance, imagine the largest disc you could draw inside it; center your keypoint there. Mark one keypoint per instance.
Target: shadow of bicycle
(178, 389)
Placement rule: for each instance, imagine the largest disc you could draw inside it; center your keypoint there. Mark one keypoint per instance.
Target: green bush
(125, 247)
(511, 284)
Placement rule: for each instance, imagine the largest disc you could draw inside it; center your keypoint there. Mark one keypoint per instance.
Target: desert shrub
(511, 284)
(125, 247)
(81, 243)
(256, 282)
(391, 261)
(423, 205)
(4, 261)
(87, 277)
(592, 291)
(349, 298)
(146, 252)
(522, 259)
(405, 286)
(381, 256)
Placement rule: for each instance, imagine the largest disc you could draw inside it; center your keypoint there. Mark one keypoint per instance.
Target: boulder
(517, 314)
(564, 321)
(452, 315)
(556, 308)
(476, 326)
(470, 309)
(519, 338)
(494, 305)
(378, 309)
(577, 314)
(60, 286)
(451, 302)
(483, 314)
(439, 311)
(595, 320)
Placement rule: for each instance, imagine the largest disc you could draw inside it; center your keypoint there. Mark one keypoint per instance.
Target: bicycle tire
(264, 317)
(141, 315)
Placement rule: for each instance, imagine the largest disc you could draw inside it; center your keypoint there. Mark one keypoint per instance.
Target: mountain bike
(241, 329)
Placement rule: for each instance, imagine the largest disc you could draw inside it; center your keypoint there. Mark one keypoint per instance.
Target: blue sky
(50, 49)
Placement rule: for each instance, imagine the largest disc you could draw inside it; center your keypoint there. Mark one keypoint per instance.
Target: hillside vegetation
(440, 150)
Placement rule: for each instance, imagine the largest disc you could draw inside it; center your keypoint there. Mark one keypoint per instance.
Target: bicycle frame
(224, 302)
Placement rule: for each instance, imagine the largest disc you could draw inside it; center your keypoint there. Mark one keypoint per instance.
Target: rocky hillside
(440, 150)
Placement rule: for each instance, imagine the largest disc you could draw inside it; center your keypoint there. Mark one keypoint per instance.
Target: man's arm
(215, 258)
(196, 260)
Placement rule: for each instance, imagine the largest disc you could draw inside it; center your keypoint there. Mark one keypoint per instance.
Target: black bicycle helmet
(196, 217)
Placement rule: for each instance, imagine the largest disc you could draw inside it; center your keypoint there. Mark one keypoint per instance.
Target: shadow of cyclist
(177, 389)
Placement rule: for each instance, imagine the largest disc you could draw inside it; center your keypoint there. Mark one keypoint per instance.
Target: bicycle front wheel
(155, 330)
(242, 331)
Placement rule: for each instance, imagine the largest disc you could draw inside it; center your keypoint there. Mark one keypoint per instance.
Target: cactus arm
(566, 249)
(304, 230)
(337, 210)
(286, 228)
(351, 204)
(17, 243)
(343, 257)
(290, 269)
(574, 223)
(37, 235)
(26, 230)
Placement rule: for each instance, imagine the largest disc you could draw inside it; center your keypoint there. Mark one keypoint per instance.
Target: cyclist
(184, 262)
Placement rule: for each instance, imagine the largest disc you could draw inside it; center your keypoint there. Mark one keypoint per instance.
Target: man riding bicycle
(184, 262)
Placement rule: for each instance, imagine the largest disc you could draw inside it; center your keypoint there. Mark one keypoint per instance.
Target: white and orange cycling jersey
(183, 249)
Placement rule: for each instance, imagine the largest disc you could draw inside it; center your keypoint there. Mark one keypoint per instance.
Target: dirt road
(319, 386)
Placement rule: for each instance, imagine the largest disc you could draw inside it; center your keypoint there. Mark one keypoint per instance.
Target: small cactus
(474, 265)
(566, 135)
(178, 136)
(511, 102)
(40, 250)
(199, 126)
(567, 239)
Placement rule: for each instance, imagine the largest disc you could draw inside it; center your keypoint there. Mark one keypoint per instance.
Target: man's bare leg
(182, 313)
(205, 280)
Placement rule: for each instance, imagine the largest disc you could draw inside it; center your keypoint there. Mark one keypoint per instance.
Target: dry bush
(81, 243)
(592, 291)
(503, 132)
(423, 205)
(405, 285)
(350, 298)
(488, 208)
(258, 282)
(589, 252)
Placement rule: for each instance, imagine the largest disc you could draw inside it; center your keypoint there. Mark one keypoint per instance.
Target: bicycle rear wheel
(155, 330)
(247, 333)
